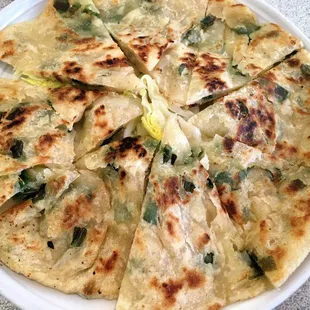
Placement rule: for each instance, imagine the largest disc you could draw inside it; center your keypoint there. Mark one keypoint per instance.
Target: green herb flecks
(28, 191)
(17, 149)
(61, 5)
(242, 175)
(79, 235)
(223, 178)
(167, 153)
(210, 183)
(280, 93)
(88, 10)
(122, 214)
(151, 213)
(191, 37)
(207, 22)
(252, 261)
(305, 69)
(267, 263)
(209, 258)
(151, 144)
(189, 186)
(183, 69)
(246, 29)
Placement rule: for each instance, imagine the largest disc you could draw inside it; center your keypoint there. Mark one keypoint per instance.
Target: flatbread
(31, 132)
(77, 47)
(181, 229)
(270, 113)
(8, 189)
(145, 29)
(106, 116)
(124, 166)
(54, 245)
(233, 49)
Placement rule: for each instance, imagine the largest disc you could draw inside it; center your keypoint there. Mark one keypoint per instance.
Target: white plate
(29, 295)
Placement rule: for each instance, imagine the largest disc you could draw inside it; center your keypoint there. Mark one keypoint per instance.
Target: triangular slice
(124, 166)
(271, 113)
(52, 241)
(145, 29)
(166, 268)
(103, 119)
(31, 132)
(266, 199)
(180, 258)
(233, 48)
(77, 47)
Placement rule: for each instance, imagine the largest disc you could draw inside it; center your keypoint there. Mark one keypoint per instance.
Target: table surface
(298, 11)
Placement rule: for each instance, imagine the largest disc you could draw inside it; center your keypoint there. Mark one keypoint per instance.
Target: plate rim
(25, 299)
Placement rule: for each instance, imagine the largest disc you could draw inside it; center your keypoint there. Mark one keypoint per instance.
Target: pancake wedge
(270, 113)
(106, 116)
(77, 47)
(145, 29)
(54, 243)
(233, 49)
(124, 166)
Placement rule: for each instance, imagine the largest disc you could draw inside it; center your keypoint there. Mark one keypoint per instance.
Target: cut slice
(31, 131)
(141, 36)
(174, 71)
(166, 267)
(77, 47)
(103, 119)
(124, 166)
(181, 256)
(266, 199)
(233, 49)
(145, 29)
(271, 113)
(9, 187)
(54, 245)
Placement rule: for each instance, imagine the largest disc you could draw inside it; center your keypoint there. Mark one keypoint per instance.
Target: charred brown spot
(86, 44)
(111, 63)
(228, 144)
(107, 265)
(169, 290)
(215, 307)
(231, 208)
(246, 131)
(216, 85)
(293, 62)
(203, 240)
(100, 111)
(170, 194)
(194, 279)
(298, 224)
(263, 231)
(58, 184)
(284, 150)
(278, 253)
(295, 186)
(189, 59)
(73, 70)
(272, 34)
(233, 108)
(122, 175)
(47, 141)
(90, 288)
(76, 211)
(15, 123)
(8, 47)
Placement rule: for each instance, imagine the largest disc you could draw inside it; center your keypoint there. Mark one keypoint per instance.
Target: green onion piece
(210, 183)
(305, 69)
(14, 113)
(209, 258)
(173, 159)
(246, 29)
(151, 213)
(242, 175)
(17, 149)
(50, 244)
(167, 153)
(61, 5)
(183, 69)
(207, 21)
(189, 186)
(191, 37)
(40, 194)
(297, 184)
(252, 261)
(281, 93)
(223, 178)
(270, 175)
(267, 263)
(79, 235)
(88, 10)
